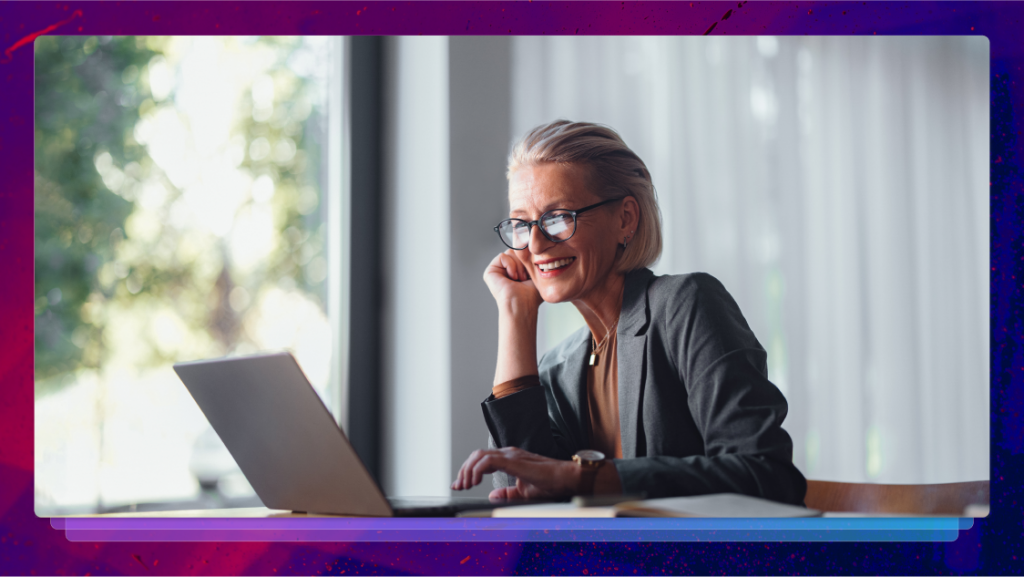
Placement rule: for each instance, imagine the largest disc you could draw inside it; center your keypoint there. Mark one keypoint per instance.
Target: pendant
(593, 359)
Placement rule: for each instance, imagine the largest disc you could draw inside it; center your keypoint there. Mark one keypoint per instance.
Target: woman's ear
(629, 218)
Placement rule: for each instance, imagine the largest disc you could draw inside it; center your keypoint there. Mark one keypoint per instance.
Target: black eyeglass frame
(531, 224)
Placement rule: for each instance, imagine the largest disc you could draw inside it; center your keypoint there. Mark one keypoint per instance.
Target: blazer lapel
(632, 340)
(575, 385)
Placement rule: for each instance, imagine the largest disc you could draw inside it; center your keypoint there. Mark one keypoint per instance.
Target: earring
(628, 238)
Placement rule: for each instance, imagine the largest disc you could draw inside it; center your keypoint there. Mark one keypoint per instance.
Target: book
(553, 510)
(718, 505)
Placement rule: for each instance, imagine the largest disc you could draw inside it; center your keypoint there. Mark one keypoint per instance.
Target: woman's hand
(518, 305)
(537, 477)
(510, 284)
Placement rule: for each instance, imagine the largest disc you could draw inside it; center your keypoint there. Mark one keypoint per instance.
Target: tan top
(602, 398)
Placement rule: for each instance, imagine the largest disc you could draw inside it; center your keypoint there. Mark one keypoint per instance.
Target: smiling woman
(664, 392)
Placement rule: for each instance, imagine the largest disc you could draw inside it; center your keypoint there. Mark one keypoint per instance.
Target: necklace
(593, 350)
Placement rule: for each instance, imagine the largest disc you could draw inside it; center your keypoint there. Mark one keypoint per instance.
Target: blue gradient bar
(504, 530)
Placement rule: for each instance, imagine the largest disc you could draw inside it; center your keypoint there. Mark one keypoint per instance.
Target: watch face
(590, 455)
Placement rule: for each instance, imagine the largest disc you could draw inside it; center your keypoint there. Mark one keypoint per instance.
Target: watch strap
(588, 476)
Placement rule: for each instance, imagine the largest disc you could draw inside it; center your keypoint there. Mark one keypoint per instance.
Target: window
(186, 207)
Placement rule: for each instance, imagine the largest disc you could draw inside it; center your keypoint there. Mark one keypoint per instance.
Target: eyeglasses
(557, 225)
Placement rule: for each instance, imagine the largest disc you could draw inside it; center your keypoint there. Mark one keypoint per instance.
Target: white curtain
(838, 187)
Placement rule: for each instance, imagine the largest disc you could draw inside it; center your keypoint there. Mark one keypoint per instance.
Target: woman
(664, 392)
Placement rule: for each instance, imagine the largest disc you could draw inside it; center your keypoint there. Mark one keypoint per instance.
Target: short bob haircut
(615, 171)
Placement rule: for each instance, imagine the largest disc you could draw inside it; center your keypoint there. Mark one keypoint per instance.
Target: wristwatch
(589, 462)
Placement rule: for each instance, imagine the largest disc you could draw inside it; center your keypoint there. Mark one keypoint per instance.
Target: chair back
(938, 499)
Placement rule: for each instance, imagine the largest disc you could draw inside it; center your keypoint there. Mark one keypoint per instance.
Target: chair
(939, 499)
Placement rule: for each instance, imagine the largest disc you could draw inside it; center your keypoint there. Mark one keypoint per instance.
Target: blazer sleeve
(532, 419)
(736, 409)
(523, 420)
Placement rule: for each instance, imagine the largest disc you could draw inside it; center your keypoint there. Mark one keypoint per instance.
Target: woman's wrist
(573, 478)
(607, 481)
(604, 481)
(519, 310)
(517, 345)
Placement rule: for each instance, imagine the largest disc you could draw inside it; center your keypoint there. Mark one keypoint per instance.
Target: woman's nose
(538, 242)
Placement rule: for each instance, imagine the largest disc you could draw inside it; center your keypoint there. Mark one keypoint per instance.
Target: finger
(514, 492)
(468, 477)
(488, 464)
(464, 471)
(509, 262)
(460, 476)
(540, 473)
(518, 264)
(525, 270)
(496, 266)
(503, 262)
(495, 263)
(523, 274)
(526, 490)
(515, 461)
(457, 483)
(463, 474)
(505, 494)
(521, 269)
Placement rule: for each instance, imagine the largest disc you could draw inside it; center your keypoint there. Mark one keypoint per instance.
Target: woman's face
(587, 259)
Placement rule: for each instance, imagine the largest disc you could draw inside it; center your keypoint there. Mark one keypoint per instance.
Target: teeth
(555, 264)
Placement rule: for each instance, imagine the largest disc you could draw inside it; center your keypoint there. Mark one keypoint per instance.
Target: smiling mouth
(556, 264)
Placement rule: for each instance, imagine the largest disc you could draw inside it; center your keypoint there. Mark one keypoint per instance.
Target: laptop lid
(281, 435)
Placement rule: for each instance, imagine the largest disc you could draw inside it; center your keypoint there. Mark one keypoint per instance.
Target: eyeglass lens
(558, 226)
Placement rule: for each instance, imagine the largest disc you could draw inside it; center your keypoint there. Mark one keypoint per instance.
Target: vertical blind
(838, 187)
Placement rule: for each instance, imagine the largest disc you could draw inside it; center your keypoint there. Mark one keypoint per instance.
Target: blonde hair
(615, 170)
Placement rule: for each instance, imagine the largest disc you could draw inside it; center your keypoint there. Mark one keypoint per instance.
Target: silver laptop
(288, 445)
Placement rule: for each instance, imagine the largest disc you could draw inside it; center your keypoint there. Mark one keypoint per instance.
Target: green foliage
(85, 103)
(117, 271)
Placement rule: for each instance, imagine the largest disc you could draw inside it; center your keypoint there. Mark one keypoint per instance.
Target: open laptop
(288, 445)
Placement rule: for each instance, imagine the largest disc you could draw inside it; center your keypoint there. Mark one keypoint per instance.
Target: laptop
(288, 445)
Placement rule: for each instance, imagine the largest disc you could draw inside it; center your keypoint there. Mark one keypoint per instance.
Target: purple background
(29, 545)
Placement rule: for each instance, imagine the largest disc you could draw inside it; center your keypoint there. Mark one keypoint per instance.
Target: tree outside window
(179, 215)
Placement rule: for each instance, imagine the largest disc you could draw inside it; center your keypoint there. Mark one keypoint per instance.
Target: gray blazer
(697, 412)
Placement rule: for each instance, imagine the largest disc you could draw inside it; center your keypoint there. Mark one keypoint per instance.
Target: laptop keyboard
(437, 506)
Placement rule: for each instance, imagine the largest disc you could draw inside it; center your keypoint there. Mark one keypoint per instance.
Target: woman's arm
(739, 415)
(520, 419)
(520, 426)
(685, 476)
(737, 411)
(517, 341)
(530, 420)
(518, 304)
